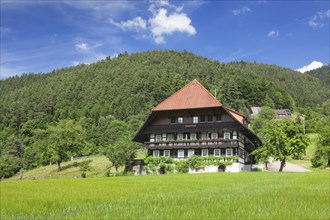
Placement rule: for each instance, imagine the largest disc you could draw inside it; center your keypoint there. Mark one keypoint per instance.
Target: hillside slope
(323, 74)
(129, 85)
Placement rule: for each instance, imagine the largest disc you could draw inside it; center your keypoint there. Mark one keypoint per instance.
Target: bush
(317, 160)
(108, 173)
(182, 166)
(84, 167)
(8, 166)
(75, 164)
(162, 165)
(159, 165)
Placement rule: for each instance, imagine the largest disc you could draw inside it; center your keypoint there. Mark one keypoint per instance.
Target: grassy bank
(201, 196)
(310, 151)
(99, 165)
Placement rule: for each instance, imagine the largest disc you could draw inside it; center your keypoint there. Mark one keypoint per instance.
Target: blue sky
(39, 36)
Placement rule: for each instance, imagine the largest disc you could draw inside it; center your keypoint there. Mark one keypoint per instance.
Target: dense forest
(115, 95)
(322, 74)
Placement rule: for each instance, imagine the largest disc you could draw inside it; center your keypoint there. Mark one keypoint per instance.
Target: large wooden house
(193, 122)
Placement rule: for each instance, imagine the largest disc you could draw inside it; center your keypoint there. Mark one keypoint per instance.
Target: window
(216, 152)
(195, 119)
(173, 119)
(158, 137)
(164, 137)
(191, 152)
(167, 153)
(205, 152)
(180, 137)
(214, 135)
(226, 135)
(204, 135)
(152, 137)
(180, 153)
(229, 152)
(180, 120)
(169, 137)
(218, 117)
(202, 118)
(210, 118)
(155, 153)
(193, 136)
(234, 134)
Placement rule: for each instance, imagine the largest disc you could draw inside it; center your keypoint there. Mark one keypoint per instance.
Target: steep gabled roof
(239, 117)
(193, 95)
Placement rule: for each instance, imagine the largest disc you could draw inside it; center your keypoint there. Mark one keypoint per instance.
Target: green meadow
(187, 196)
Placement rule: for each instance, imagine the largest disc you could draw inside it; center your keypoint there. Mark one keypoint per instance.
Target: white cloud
(316, 20)
(324, 14)
(82, 47)
(135, 24)
(313, 65)
(162, 24)
(242, 10)
(273, 34)
(165, 20)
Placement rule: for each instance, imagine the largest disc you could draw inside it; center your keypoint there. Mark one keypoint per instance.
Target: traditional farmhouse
(193, 122)
(279, 113)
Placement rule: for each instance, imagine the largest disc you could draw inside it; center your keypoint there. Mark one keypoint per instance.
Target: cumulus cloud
(242, 10)
(316, 20)
(81, 47)
(273, 34)
(162, 24)
(135, 24)
(165, 20)
(313, 65)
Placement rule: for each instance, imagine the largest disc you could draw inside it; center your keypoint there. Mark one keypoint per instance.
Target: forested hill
(128, 86)
(322, 73)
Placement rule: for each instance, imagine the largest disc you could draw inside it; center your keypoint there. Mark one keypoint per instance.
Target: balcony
(192, 144)
(170, 128)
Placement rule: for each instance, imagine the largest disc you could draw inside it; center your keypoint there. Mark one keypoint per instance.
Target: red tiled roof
(239, 117)
(192, 95)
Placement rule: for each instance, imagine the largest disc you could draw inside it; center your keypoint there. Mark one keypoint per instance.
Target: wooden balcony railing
(215, 126)
(215, 143)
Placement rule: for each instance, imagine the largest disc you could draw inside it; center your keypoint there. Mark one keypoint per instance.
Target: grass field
(195, 196)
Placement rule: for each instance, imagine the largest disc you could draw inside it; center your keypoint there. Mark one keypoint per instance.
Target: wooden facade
(197, 127)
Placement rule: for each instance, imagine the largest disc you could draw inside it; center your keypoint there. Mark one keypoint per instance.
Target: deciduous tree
(283, 138)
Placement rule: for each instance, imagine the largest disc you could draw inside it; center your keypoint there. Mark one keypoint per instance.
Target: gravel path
(289, 167)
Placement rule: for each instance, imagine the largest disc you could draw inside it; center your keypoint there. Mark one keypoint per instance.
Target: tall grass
(198, 196)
